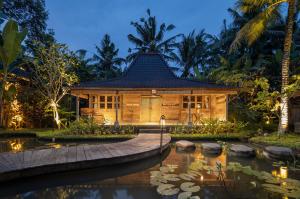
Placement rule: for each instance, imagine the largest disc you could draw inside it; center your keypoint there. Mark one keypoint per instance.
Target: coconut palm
(191, 53)
(108, 64)
(250, 32)
(150, 37)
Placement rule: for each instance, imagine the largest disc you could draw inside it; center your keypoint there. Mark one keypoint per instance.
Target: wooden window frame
(195, 101)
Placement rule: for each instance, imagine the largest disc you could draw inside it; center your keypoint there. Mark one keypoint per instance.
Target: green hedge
(210, 127)
(88, 126)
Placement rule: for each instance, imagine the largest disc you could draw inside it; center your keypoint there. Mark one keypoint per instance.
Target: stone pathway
(36, 162)
(211, 148)
(184, 145)
(277, 152)
(242, 150)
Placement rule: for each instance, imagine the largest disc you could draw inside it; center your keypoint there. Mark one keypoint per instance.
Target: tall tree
(32, 15)
(84, 71)
(108, 64)
(192, 53)
(151, 37)
(10, 49)
(53, 76)
(255, 28)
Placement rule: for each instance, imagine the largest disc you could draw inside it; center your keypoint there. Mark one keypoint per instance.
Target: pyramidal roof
(149, 70)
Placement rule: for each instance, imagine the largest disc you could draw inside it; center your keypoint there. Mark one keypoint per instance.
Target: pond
(172, 175)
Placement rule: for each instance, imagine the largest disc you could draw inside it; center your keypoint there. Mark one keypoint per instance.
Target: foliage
(107, 61)
(10, 49)
(289, 140)
(151, 37)
(210, 126)
(53, 76)
(192, 53)
(86, 126)
(30, 15)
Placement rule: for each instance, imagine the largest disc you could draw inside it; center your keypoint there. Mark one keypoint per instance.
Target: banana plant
(10, 48)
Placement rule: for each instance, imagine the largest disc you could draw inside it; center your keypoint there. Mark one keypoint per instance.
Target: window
(94, 101)
(102, 102)
(109, 101)
(206, 102)
(197, 102)
(185, 102)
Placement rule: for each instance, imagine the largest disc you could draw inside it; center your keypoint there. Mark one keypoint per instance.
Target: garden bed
(209, 137)
(287, 140)
(61, 135)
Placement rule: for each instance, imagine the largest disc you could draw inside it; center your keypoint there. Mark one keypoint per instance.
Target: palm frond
(254, 28)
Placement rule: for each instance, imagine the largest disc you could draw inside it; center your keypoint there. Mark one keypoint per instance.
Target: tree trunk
(2, 96)
(283, 125)
(56, 115)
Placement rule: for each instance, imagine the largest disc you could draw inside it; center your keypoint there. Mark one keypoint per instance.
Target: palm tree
(108, 64)
(84, 71)
(250, 32)
(150, 37)
(191, 53)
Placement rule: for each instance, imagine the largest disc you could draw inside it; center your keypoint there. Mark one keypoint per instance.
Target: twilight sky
(82, 24)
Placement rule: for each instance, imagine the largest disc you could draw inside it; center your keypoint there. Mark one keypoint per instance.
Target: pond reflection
(133, 181)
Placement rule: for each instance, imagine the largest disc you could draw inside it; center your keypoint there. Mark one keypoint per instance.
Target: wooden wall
(171, 107)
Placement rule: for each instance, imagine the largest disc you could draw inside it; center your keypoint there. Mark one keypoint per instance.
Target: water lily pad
(189, 187)
(186, 176)
(167, 189)
(157, 181)
(184, 195)
(164, 169)
(171, 177)
(253, 183)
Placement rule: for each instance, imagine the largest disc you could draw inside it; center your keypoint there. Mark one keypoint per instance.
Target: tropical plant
(84, 71)
(107, 61)
(32, 15)
(10, 49)
(191, 53)
(250, 32)
(53, 76)
(150, 37)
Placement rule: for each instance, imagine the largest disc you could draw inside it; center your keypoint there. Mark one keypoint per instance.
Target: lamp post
(162, 126)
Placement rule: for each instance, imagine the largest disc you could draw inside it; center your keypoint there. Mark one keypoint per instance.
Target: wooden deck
(45, 161)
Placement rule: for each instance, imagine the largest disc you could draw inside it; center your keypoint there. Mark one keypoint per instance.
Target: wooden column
(190, 123)
(226, 118)
(77, 107)
(117, 110)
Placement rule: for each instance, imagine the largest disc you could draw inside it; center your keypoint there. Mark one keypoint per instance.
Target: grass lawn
(231, 136)
(48, 134)
(287, 140)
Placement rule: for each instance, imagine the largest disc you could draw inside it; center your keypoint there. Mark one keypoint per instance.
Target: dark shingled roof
(149, 71)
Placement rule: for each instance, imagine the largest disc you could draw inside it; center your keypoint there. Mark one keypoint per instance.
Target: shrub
(87, 126)
(210, 126)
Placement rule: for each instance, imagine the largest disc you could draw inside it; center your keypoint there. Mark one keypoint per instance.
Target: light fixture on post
(162, 126)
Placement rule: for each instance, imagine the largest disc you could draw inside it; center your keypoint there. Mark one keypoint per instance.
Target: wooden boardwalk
(45, 161)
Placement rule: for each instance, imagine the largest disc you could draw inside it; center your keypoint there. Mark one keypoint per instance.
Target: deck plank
(74, 157)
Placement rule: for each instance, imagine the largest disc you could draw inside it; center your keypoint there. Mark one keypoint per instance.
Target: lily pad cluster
(287, 187)
(165, 178)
